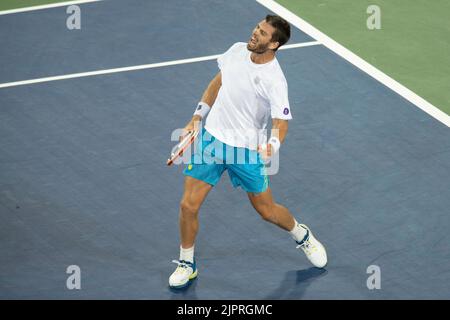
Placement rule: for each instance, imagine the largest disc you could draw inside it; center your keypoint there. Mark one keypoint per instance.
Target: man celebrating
(249, 89)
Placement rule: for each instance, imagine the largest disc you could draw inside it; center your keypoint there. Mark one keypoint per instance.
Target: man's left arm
(280, 112)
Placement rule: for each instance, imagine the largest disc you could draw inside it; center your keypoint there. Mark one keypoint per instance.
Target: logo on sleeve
(199, 107)
(286, 111)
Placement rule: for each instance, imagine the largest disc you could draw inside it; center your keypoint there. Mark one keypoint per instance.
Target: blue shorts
(212, 157)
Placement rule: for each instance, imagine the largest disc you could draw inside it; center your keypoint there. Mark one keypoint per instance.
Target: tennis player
(249, 89)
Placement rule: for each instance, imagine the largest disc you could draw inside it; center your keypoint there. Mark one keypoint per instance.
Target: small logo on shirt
(286, 111)
(199, 107)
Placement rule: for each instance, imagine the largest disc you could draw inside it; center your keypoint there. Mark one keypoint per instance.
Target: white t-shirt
(250, 94)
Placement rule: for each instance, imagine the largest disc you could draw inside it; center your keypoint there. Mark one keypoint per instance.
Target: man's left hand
(265, 150)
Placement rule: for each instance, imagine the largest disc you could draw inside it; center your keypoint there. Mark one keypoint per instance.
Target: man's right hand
(192, 125)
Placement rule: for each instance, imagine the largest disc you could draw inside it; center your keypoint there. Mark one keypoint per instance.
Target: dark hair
(282, 29)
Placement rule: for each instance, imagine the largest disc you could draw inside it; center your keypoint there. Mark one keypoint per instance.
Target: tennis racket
(181, 146)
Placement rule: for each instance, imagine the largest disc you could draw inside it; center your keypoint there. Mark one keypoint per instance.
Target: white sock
(187, 254)
(298, 233)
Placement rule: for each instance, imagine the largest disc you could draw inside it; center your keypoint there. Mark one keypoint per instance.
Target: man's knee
(189, 207)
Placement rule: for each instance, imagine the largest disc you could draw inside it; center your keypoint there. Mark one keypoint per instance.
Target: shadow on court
(83, 179)
(296, 282)
(293, 285)
(184, 293)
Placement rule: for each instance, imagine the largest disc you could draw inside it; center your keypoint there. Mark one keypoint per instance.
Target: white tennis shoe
(314, 250)
(183, 274)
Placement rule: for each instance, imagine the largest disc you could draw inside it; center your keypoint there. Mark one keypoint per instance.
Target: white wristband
(202, 110)
(275, 142)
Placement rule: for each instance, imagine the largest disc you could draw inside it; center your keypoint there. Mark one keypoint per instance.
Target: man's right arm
(210, 94)
(208, 97)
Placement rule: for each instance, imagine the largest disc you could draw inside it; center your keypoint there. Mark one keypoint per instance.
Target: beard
(258, 48)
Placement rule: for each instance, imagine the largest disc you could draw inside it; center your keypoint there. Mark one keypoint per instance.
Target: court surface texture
(84, 181)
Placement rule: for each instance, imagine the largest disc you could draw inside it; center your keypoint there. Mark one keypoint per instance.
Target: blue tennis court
(84, 181)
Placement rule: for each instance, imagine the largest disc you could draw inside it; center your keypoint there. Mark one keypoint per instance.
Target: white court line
(300, 45)
(357, 61)
(133, 68)
(46, 6)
